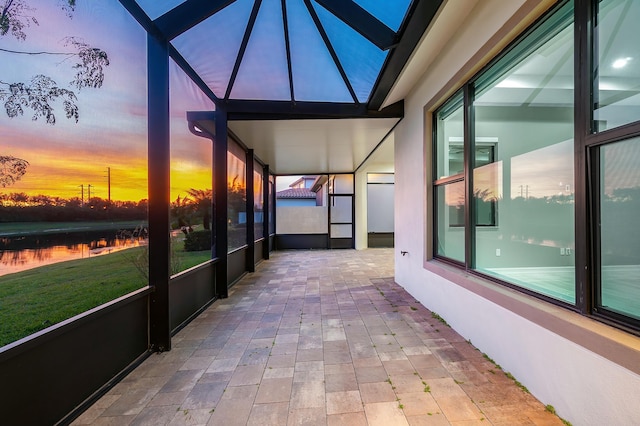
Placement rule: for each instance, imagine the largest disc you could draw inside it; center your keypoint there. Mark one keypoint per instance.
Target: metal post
(220, 197)
(159, 167)
(266, 208)
(251, 240)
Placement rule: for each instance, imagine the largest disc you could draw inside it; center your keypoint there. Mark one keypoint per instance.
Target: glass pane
(157, 8)
(237, 201)
(214, 60)
(258, 201)
(380, 178)
(380, 207)
(263, 72)
(390, 12)
(191, 176)
(523, 177)
(619, 231)
(361, 59)
(73, 167)
(450, 219)
(341, 209)
(341, 231)
(617, 65)
(315, 75)
(341, 184)
(272, 204)
(450, 137)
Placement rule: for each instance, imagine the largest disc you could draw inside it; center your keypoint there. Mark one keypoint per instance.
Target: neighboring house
(306, 191)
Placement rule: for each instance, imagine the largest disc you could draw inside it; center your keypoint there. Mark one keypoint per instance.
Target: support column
(266, 208)
(159, 167)
(251, 228)
(220, 202)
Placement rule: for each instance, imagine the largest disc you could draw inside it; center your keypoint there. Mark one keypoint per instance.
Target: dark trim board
(301, 241)
(341, 243)
(236, 265)
(190, 291)
(380, 239)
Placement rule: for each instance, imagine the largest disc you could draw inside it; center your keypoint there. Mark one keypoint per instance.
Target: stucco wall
(302, 220)
(575, 368)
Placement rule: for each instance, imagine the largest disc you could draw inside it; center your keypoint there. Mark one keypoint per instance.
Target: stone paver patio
(318, 338)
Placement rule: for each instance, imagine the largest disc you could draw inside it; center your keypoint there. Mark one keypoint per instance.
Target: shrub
(198, 240)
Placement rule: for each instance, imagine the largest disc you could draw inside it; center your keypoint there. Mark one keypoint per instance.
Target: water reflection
(25, 252)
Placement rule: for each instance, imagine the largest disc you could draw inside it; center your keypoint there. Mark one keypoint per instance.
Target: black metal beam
(285, 110)
(266, 208)
(159, 189)
(186, 15)
(250, 211)
(332, 52)
(362, 21)
(243, 46)
(287, 44)
(419, 17)
(220, 201)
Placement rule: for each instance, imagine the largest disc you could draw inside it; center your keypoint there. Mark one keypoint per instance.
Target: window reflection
(619, 231)
(617, 66)
(237, 196)
(524, 105)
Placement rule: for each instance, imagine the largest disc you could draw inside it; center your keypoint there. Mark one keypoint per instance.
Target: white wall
(302, 219)
(584, 387)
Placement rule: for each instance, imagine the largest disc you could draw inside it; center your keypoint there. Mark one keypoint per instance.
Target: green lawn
(27, 228)
(37, 298)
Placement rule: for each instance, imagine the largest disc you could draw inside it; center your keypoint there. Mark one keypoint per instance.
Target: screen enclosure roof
(296, 75)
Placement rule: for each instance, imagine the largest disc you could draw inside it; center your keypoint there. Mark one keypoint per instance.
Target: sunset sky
(112, 130)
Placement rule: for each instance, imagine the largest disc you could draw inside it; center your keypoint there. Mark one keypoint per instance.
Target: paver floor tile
(343, 402)
(318, 338)
(307, 417)
(385, 414)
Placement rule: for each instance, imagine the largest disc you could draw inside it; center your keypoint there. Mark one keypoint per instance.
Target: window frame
(587, 143)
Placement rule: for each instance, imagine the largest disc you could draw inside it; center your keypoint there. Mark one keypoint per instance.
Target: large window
(523, 160)
(516, 177)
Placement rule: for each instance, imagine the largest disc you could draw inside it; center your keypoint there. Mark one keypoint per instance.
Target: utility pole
(81, 195)
(109, 185)
(89, 196)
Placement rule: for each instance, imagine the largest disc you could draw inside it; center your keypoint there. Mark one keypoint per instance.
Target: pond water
(20, 253)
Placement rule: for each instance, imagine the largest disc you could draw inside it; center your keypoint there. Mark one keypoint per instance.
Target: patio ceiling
(303, 82)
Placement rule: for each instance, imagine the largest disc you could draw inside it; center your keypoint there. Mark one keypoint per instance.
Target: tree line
(21, 207)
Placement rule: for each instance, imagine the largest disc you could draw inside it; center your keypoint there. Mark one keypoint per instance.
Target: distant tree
(11, 169)
(181, 210)
(202, 199)
(40, 92)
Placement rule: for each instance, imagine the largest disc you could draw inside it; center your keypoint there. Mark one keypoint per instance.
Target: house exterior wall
(587, 370)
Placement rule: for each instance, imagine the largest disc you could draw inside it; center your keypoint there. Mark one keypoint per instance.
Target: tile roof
(296, 193)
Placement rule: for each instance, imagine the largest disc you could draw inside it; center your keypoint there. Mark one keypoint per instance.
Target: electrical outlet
(498, 252)
(568, 251)
(562, 251)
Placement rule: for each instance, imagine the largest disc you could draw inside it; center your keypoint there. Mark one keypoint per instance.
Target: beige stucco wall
(583, 368)
(302, 220)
